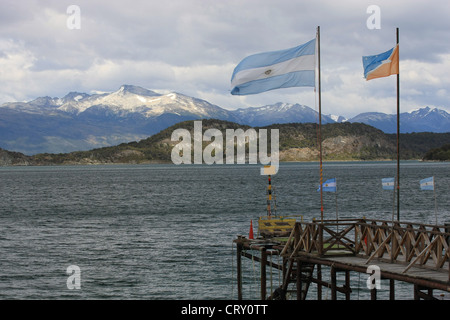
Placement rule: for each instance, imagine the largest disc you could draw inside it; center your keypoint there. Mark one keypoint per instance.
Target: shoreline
(158, 162)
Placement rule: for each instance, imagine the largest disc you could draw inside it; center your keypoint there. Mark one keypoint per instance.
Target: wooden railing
(397, 242)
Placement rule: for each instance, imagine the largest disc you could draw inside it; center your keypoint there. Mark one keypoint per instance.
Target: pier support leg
(392, 289)
(333, 283)
(299, 280)
(419, 294)
(239, 271)
(319, 285)
(347, 285)
(263, 273)
(373, 293)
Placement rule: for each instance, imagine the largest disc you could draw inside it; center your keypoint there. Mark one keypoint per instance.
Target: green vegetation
(298, 142)
(438, 154)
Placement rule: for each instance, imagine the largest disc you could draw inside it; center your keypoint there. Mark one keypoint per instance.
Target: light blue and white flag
(387, 183)
(329, 185)
(427, 183)
(266, 71)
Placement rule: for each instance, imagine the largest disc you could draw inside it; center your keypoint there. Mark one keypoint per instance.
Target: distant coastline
(297, 141)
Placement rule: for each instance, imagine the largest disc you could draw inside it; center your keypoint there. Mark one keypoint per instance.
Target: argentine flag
(266, 71)
(381, 65)
(387, 183)
(427, 183)
(329, 185)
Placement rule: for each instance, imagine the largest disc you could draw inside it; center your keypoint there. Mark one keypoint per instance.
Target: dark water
(166, 231)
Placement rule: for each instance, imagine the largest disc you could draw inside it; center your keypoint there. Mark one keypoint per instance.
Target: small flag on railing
(387, 183)
(329, 185)
(427, 183)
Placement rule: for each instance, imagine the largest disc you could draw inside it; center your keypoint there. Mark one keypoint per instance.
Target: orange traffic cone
(250, 234)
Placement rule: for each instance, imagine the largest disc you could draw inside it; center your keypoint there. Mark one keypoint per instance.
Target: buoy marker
(250, 234)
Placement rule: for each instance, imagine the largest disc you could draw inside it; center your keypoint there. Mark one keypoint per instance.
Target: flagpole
(398, 132)
(435, 202)
(337, 216)
(393, 200)
(320, 124)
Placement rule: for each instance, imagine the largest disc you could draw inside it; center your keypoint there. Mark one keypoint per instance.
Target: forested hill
(297, 142)
(439, 154)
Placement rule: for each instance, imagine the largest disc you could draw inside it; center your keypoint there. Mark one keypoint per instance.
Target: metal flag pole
(398, 132)
(337, 215)
(320, 124)
(269, 198)
(393, 199)
(435, 201)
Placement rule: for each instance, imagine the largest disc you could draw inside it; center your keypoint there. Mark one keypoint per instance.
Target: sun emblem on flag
(268, 72)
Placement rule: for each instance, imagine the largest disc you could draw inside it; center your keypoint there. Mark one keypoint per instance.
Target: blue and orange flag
(381, 65)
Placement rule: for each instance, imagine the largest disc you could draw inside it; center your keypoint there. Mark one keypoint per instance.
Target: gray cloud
(192, 46)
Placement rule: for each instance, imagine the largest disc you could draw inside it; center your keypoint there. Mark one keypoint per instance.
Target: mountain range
(422, 120)
(81, 121)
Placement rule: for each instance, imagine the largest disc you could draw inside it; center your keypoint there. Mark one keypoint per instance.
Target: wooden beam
(239, 270)
(263, 273)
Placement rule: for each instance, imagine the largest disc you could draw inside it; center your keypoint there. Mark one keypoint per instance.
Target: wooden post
(394, 244)
(447, 253)
(333, 283)
(320, 239)
(347, 285)
(299, 280)
(373, 293)
(239, 271)
(392, 289)
(263, 273)
(447, 230)
(416, 292)
(448, 259)
(319, 285)
(288, 274)
(430, 293)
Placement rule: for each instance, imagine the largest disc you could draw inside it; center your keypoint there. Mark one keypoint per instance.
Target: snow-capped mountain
(81, 121)
(278, 113)
(421, 120)
(128, 99)
(131, 99)
(338, 119)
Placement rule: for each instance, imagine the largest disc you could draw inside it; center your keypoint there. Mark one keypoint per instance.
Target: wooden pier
(413, 253)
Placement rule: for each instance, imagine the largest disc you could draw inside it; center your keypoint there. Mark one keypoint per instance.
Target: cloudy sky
(192, 47)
